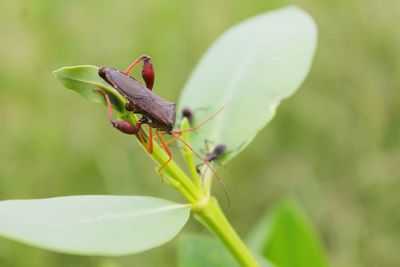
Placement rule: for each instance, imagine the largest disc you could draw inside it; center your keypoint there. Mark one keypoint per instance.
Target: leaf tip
(56, 72)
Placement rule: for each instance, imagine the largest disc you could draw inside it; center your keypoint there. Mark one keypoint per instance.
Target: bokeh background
(334, 145)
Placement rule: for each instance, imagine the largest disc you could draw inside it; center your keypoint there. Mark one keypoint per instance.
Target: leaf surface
(196, 250)
(85, 80)
(248, 71)
(93, 225)
(287, 238)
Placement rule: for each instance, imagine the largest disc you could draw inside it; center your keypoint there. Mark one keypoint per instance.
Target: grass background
(334, 145)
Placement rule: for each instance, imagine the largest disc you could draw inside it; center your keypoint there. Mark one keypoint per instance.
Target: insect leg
(172, 139)
(205, 162)
(207, 144)
(201, 124)
(150, 148)
(147, 70)
(198, 168)
(166, 150)
(142, 139)
(123, 126)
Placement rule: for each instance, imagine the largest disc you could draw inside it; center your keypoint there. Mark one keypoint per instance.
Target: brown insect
(156, 112)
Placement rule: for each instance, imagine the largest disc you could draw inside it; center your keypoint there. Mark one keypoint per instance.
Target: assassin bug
(156, 112)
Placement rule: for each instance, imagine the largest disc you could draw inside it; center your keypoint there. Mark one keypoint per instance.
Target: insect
(187, 113)
(213, 155)
(156, 112)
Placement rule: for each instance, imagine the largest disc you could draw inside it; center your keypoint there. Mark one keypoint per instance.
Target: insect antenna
(202, 123)
(207, 164)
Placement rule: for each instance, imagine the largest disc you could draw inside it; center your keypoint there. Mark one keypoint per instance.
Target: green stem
(175, 172)
(175, 176)
(205, 207)
(188, 157)
(207, 179)
(188, 154)
(214, 219)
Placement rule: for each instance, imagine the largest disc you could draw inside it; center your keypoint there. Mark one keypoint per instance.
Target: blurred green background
(334, 145)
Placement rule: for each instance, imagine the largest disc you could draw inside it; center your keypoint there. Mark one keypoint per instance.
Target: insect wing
(159, 108)
(126, 85)
(155, 106)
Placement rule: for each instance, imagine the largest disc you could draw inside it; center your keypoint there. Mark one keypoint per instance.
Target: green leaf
(84, 80)
(260, 233)
(249, 70)
(93, 225)
(196, 250)
(290, 240)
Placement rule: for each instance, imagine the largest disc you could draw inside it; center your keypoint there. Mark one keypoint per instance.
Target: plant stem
(175, 172)
(208, 212)
(176, 177)
(207, 179)
(214, 219)
(206, 208)
(188, 154)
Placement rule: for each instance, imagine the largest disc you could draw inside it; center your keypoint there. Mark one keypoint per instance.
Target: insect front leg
(125, 126)
(166, 148)
(122, 125)
(147, 70)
